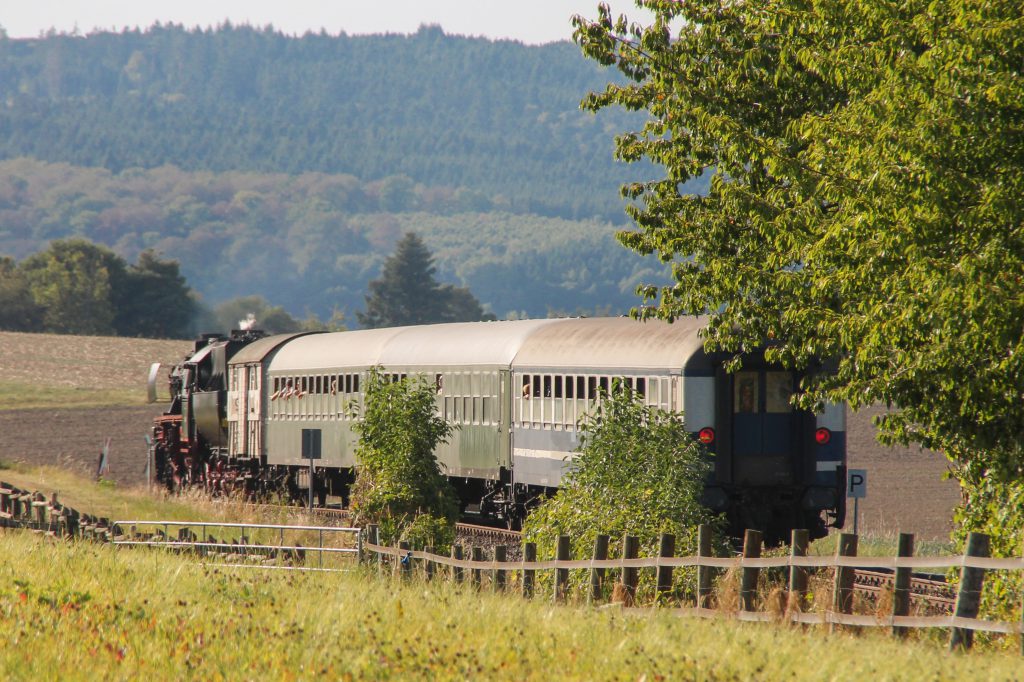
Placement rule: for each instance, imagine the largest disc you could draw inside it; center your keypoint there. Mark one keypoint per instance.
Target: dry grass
(52, 370)
(100, 613)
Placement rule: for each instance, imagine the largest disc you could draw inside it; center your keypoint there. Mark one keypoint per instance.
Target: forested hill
(497, 119)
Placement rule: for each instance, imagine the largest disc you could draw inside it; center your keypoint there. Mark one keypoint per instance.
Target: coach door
(765, 427)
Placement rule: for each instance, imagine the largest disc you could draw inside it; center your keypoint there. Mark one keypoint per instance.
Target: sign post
(311, 451)
(856, 487)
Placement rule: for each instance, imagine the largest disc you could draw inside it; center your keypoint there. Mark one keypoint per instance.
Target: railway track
(928, 590)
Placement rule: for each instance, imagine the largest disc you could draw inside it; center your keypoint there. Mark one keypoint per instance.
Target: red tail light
(706, 435)
(822, 436)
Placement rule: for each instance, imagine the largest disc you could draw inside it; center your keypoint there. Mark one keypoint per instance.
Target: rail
(794, 607)
(253, 548)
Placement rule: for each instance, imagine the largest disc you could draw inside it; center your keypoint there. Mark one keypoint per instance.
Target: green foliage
(637, 472)
(492, 123)
(310, 242)
(407, 292)
(77, 287)
(254, 310)
(18, 310)
(995, 508)
(156, 302)
(867, 164)
(399, 485)
(74, 283)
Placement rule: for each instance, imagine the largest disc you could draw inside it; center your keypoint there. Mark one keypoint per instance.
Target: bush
(997, 509)
(637, 472)
(399, 485)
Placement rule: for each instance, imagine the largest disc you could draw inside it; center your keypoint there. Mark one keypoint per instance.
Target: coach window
(746, 392)
(778, 388)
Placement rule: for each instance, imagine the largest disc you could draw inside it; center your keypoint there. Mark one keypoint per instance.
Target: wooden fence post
(748, 583)
(1022, 627)
(843, 590)
(373, 532)
(428, 564)
(529, 556)
(405, 560)
(457, 573)
(476, 554)
(704, 573)
(901, 583)
(630, 550)
(968, 599)
(498, 577)
(597, 574)
(797, 574)
(561, 574)
(667, 548)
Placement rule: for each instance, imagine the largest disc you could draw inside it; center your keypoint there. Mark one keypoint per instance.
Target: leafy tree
(462, 305)
(156, 302)
(867, 164)
(407, 293)
(256, 311)
(18, 311)
(637, 471)
(399, 485)
(74, 282)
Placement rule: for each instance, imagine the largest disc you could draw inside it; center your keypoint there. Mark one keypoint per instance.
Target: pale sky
(531, 21)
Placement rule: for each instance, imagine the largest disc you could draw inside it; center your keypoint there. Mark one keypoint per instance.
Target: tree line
(498, 119)
(77, 287)
(310, 242)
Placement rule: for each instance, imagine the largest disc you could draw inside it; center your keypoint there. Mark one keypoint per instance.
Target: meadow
(89, 611)
(98, 612)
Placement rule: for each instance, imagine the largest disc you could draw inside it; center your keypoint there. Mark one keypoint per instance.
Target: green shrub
(399, 485)
(637, 472)
(995, 508)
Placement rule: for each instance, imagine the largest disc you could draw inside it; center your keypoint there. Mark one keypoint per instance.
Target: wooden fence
(33, 511)
(962, 623)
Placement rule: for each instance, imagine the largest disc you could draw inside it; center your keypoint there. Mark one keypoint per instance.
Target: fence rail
(962, 623)
(291, 555)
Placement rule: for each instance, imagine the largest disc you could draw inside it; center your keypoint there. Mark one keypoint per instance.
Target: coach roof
(613, 343)
(597, 343)
(460, 344)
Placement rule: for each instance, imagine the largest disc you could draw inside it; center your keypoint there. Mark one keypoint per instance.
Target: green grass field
(85, 611)
(21, 396)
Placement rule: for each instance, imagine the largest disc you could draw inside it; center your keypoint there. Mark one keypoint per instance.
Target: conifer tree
(407, 292)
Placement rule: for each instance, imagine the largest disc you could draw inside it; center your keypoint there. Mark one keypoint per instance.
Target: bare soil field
(73, 439)
(84, 362)
(906, 491)
(61, 397)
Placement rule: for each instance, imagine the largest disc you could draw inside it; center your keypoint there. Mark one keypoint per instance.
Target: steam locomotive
(260, 413)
